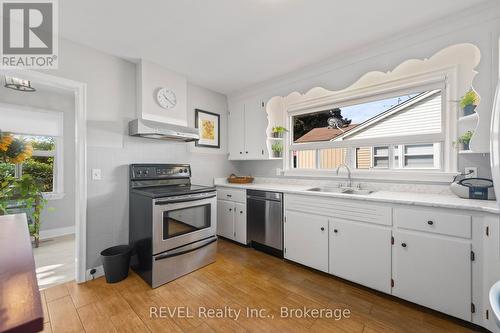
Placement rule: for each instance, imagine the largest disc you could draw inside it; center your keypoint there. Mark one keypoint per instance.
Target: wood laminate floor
(241, 279)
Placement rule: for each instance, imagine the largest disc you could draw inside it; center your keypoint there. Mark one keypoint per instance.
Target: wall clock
(166, 98)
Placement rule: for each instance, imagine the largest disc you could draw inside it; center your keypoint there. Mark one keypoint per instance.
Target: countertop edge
(301, 189)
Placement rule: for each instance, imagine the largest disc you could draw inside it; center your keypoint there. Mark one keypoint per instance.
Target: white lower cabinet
(232, 220)
(225, 218)
(240, 223)
(361, 253)
(433, 271)
(420, 254)
(306, 239)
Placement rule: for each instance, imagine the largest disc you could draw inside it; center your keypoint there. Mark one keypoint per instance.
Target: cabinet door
(236, 132)
(240, 223)
(255, 130)
(433, 271)
(225, 218)
(306, 240)
(361, 253)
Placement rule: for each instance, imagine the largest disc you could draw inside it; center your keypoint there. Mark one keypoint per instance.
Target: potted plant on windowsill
(23, 194)
(463, 142)
(469, 102)
(277, 149)
(278, 131)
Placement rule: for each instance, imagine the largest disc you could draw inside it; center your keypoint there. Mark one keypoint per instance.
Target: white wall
(61, 214)
(153, 77)
(480, 27)
(111, 103)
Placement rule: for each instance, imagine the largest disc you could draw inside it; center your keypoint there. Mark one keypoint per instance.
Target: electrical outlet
(471, 172)
(96, 174)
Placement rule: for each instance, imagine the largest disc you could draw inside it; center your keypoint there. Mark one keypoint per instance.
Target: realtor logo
(29, 34)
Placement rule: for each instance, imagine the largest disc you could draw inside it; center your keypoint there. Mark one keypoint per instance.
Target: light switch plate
(469, 174)
(96, 174)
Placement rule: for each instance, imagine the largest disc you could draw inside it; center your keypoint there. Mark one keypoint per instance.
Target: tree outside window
(40, 165)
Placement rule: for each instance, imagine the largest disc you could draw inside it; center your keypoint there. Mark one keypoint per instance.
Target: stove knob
(185, 170)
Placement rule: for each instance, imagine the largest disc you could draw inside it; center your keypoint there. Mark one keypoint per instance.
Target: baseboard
(56, 232)
(99, 271)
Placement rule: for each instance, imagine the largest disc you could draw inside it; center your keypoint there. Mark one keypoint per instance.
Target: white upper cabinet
(256, 125)
(433, 271)
(236, 131)
(247, 130)
(361, 253)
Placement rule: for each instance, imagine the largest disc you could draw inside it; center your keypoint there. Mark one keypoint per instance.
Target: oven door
(182, 220)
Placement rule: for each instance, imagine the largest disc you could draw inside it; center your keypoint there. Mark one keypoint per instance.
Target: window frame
(444, 79)
(436, 155)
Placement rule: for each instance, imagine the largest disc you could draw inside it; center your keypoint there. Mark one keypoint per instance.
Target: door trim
(80, 91)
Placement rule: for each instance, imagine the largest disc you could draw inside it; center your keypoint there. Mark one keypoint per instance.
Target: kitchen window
(41, 165)
(400, 131)
(43, 129)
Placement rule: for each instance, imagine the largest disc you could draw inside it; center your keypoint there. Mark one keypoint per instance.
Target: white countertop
(406, 198)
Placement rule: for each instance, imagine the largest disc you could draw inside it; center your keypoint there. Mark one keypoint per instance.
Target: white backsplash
(374, 186)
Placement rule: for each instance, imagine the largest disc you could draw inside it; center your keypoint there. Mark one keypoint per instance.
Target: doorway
(61, 255)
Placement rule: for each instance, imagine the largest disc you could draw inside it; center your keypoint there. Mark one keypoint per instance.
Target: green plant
(464, 138)
(277, 147)
(41, 169)
(470, 98)
(25, 192)
(279, 129)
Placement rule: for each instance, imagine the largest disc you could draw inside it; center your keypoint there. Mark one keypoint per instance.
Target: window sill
(53, 196)
(420, 176)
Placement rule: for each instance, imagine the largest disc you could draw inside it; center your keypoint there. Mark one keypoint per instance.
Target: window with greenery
(40, 165)
(403, 131)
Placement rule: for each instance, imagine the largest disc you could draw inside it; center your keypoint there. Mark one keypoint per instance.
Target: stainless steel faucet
(349, 179)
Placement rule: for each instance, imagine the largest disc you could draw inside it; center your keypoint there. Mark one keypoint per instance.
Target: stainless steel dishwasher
(265, 221)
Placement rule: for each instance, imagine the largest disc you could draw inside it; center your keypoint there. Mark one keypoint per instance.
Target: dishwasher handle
(262, 199)
(262, 195)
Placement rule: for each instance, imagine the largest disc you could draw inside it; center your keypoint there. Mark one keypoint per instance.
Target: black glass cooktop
(172, 190)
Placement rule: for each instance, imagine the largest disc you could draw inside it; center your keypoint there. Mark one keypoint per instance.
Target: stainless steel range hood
(162, 131)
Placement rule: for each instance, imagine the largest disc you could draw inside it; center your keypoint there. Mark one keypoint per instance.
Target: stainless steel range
(172, 222)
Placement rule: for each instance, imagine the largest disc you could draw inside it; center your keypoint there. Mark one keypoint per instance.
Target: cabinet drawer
(434, 221)
(231, 194)
(348, 209)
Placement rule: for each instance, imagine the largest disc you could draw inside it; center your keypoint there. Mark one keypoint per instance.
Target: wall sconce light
(18, 84)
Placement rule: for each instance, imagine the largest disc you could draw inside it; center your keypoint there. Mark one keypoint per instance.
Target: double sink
(343, 190)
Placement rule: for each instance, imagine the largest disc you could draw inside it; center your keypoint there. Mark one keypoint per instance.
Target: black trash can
(116, 261)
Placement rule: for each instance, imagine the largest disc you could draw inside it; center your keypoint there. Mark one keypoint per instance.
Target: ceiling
(227, 45)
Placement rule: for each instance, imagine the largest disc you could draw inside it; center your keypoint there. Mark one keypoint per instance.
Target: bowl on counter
(233, 179)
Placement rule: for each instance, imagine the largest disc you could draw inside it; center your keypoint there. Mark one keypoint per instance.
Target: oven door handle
(185, 249)
(159, 203)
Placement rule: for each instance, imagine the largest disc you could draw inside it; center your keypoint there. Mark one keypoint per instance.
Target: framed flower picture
(209, 125)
